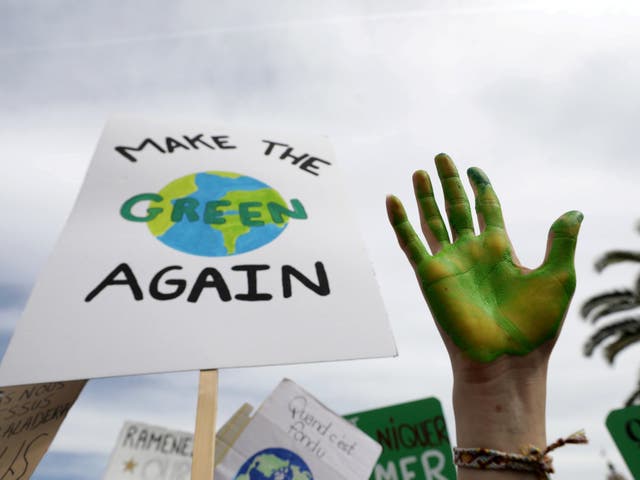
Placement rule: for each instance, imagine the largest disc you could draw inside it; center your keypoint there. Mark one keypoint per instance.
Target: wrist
(500, 405)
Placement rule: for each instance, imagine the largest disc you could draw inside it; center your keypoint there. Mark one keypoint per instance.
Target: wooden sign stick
(204, 442)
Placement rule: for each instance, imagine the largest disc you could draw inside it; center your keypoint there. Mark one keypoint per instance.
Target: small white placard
(150, 452)
(292, 435)
(194, 246)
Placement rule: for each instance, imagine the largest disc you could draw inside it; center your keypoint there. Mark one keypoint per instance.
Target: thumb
(561, 243)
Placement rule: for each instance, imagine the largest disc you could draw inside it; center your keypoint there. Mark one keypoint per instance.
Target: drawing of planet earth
(192, 234)
(274, 464)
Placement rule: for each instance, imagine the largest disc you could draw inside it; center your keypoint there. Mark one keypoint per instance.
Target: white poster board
(292, 435)
(195, 246)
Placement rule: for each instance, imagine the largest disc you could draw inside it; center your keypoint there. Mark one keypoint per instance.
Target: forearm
(500, 406)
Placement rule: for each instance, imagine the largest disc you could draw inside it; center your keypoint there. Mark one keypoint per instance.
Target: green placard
(414, 439)
(624, 427)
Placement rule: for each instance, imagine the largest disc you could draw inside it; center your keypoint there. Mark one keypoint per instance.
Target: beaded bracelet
(531, 460)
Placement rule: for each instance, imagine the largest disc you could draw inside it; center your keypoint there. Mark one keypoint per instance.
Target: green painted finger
(561, 245)
(487, 203)
(456, 201)
(407, 238)
(431, 221)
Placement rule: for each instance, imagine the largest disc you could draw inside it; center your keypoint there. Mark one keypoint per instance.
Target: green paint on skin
(486, 304)
(430, 212)
(459, 213)
(457, 204)
(478, 177)
(487, 203)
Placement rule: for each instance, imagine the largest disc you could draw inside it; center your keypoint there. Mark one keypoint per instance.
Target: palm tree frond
(626, 339)
(614, 308)
(622, 327)
(621, 332)
(616, 256)
(604, 299)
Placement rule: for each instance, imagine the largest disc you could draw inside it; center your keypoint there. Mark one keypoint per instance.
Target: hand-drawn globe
(201, 214)
(274, 464)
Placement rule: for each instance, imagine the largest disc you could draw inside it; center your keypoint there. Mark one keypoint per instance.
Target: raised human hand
(483, 299)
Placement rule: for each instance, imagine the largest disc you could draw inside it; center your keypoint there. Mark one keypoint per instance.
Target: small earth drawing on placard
(228, 234)
(274, 464)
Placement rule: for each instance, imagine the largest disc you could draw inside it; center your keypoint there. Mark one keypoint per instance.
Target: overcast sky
(542, 95)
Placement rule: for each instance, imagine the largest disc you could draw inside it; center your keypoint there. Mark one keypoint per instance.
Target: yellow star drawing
(130, 465)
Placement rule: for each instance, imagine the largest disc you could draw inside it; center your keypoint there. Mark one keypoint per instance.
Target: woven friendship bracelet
(531, 460)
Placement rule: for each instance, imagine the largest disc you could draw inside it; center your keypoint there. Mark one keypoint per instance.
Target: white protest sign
(149, 452)
(197, 246)
(30, 416)
(294, 436)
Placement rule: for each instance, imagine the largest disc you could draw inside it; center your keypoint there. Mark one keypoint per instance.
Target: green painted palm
(485, 301)
(622, 332)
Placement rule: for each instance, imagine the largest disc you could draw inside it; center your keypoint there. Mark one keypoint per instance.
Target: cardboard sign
(294, 436)
(148, 452)
(198, 246)
(230, 431)
(414, 439)
(30, 416)
(624, 427)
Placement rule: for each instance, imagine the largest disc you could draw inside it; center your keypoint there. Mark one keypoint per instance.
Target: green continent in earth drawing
(217, 214)
(274, 464)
